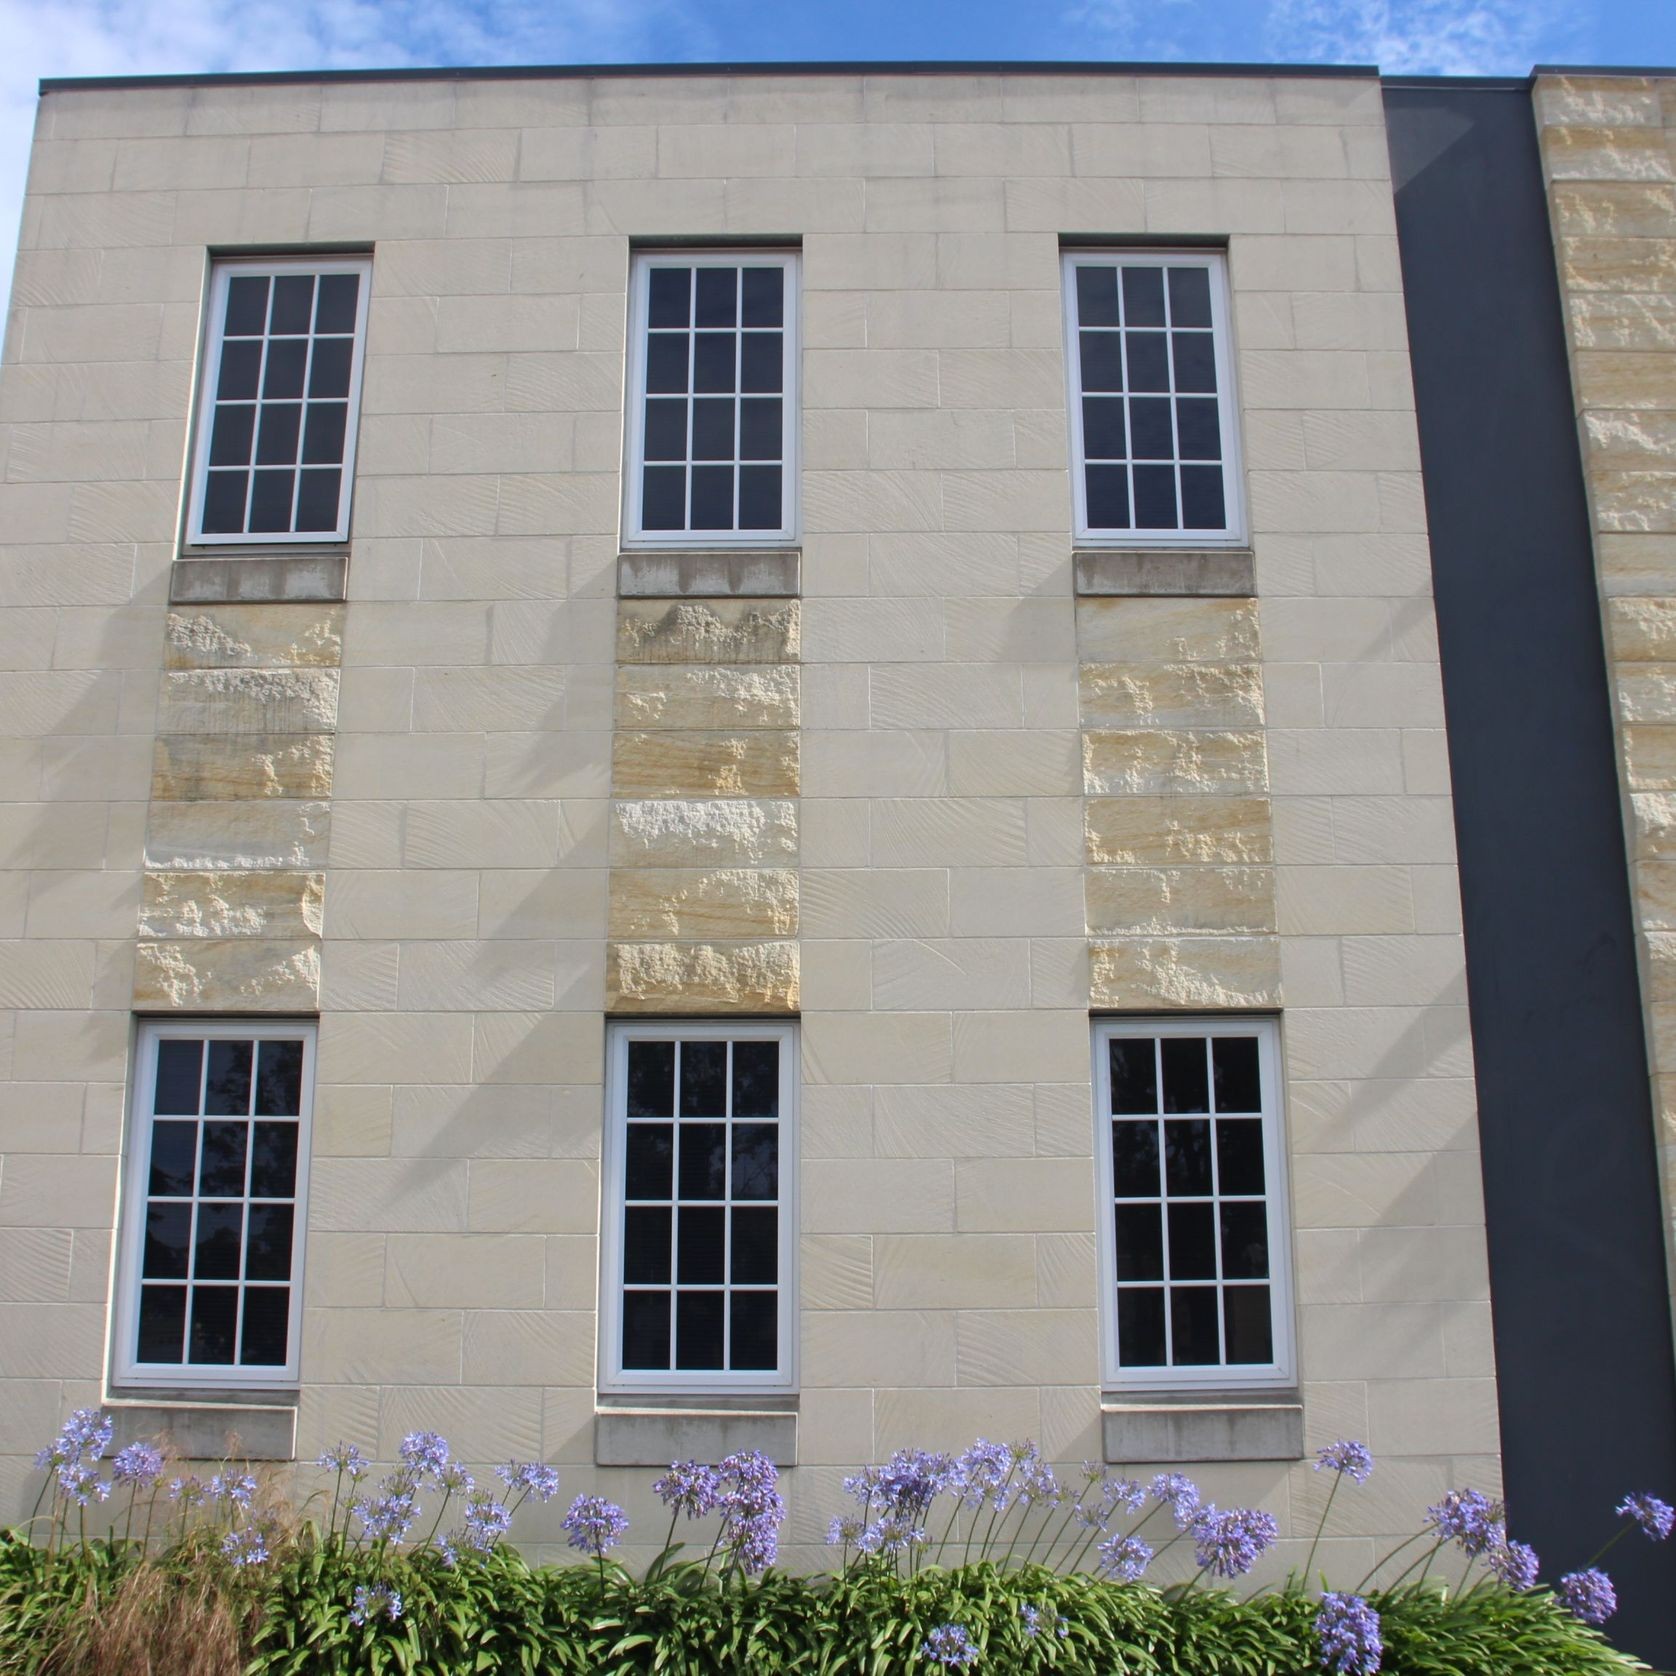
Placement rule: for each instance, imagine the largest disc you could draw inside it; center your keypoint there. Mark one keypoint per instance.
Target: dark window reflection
(221, 1169)
(1134, 1076)
(174, 1153)
(266, 1309)
(215, 1314)
(650, 1163)
(1187, 1157)
(1186, 1079)
(1193, 1326)
(755, 1331)
(703, 1160)
(1140, 1326)
(227, 1087)
(756, 1160)
(701, 1254)
(645, 1329)
(179, 1071)
(651, 1079)
(698, 1331)
(704, 1079)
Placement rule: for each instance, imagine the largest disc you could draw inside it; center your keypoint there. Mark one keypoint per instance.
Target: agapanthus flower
(846, 1529)
(1032, 1616)
(236, 1489)
(425, 1453)
(980, 1471)
(950, 1645)
(373, 1600)
(530, 1478)
(752, 1510)
(1231, 1543)
(1346, 1456)
(1515, 1563)
(1587, 1595)
(245, 1547)
(1178, 1492)
(390, 1517)
(1062, 1628)
(486, 1522)
(1348, 1630)
(88, 1432)
(689, 1487)
(1655, 1517)
(188, 1491)
(595, 1525)
(344, 1458)
(1124, 1557)
(1470, 1519)
(1035, 1482)
(81, 1484)
(139, 1464)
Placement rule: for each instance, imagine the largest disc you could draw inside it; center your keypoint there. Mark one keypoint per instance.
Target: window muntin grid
(1193, 1236)
(701, 1230)
(217, 1199)
(712, 399)
(1153, 418)
(279, 403)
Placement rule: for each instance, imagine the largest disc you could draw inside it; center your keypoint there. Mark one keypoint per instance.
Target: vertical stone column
(704, 781)
(237, 827)
(1609, 153)
(1178, 880)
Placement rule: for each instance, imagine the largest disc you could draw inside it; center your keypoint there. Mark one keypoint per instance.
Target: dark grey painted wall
(1577, 1265)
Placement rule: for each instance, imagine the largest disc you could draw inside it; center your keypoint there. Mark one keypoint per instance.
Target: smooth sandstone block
(1152, 631)
(688, 833)
(248, 701)
(227, 905)
(210, 975)
(744, 902)
(218, 837)
(1185, 972)
(711, 631)
(1171, 695)
(1180, 899)
(703, 764)
(697, 978)
(1162, 762)
(254, 636)
(216, 767)
(1133, 831)
(699, 698)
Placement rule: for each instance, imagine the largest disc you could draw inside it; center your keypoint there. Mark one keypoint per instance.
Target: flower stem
(1309, 1564)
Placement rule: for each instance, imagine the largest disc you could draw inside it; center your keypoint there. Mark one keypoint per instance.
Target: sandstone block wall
(940, 806)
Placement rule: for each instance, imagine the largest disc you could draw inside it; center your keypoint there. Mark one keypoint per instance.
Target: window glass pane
(215, 1314)
(646, 1245)
(704, 1079)
(713, 428)
(1153, 434)
(1189, 296)
(1103, 435)
(162, 1324)
(1108, 497)
(1140, 1326)
(666, 429)
(323, 434)
(1186, 1077)
(756, 1244)
(755, 1331)
(1134, 1075)
(221, 1168)
(334, 309)
(279, 1079)
(1249, 1323)
(230, 438)
(180, 1068)
(1187, 1157)
(1199, 428)
(241, 370)
(1135, 1160)
(1102, 361)
(168, 1231)
(666, 362)
(718, 297)
(273, 1162)
(317, 499)
(645, 1330)
(218, 1250)
(756, 1079)
(1245, 1241)
(762, 356)
(224, 497)
(759, 498)
(670, 297)
(1145, 357)
(1140, 1242)
(663, 498)
(174, 1153)
(698, 1331)
(759, 428)
(247, 305)
(266, 1309)
(756, 1160)
(282, 374)
(328, 373)
(650, 1172)
(1234, 1067)
(1195, 360)
(764, 291)
(701, 1246)
(713, 362)
(276, 439)
(1192, 1242)
(270, 501)
(1193, 1326)
(651, 1079)
(293, 305)
(1096, 296)
(1202, 505)
(1239, 1155)
(1155, 498)
(703, 1160)
(268, 1249)
(1143, 296)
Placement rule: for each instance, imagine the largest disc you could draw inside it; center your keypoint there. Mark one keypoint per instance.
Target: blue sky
(1452, 37)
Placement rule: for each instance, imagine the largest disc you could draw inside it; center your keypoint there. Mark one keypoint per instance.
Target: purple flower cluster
(1469, 1519)
(896, 1500)
(139, 1464)
(188, 1490)
(1515, 1563)
(1231, 1543)
(1178, 1492)
(595, 1525)
(1587, 1595)
(529, 1478)
(345, 1458)
(388, 1517)
(1348, 1630)
(752, 1510)
(245, 1547)
(425, 1455)
(1351, 1459)
(690, 1487)
(949, 1645)
(82, 1484)
(1124, 1557)
(375, 1600)
(1655, 1517)
(73, 1454)
(236, 1489)
(980, 1472)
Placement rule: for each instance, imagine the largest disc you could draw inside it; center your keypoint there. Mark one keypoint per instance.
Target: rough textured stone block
(688, 833)
(664, 698)
(273, 905)
(1167, 631)
(255, 636)
(217, 837)
(1180, 899)
(1142, 830)
(1642, 630)
(1171, 695)
(212, 975)
(211, 767)
(702, 764)
(720, 631)
(699, 978)
(656, 902)
(248, 701)
(1185, 972)
(1165, 762)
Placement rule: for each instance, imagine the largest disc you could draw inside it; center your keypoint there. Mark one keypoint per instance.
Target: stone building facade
(931, 779)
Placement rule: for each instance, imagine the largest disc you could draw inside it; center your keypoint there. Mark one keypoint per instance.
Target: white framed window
(1195, 1250)
(1154, 417)
(698, 1263)
(280, 394)
(712, 420)
(209, 1271)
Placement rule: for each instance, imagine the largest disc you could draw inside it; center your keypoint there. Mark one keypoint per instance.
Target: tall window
(1153, 420)
(700, 1218)
(281, 392)
(712, 421)
(1193, 1240)
(208, 1279)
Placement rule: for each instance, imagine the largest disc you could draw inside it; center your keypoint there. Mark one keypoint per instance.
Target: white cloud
(150, 37)
(1419, 37)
